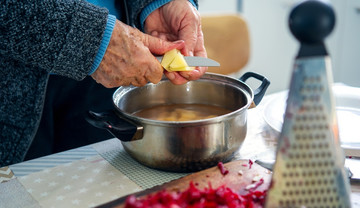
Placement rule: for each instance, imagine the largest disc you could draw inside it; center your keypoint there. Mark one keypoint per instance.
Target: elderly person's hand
(179, 20)
(129, 58)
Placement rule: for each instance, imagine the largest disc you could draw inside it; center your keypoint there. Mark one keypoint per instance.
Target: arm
(59, 42)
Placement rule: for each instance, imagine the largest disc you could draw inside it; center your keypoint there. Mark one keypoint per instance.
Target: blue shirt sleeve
(108, 4)
(155, 5)
(104, 42)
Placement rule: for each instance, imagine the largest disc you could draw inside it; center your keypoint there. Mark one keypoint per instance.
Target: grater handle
(260, 91)
(310, 22)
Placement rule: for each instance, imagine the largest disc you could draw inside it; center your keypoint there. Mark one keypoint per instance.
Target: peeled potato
(178, 61)
(186, 68)
(173, 60)
(168, 58)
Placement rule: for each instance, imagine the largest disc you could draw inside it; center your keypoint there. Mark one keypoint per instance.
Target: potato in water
(181, 112)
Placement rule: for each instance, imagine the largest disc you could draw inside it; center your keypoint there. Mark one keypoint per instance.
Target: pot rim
(240, 85)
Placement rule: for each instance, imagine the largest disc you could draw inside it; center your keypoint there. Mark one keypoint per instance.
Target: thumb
(160, 46)
(189, 33)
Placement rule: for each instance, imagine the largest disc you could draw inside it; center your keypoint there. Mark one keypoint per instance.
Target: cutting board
(234, 180)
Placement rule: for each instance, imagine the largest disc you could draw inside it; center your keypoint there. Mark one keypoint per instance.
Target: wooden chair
(227, 41)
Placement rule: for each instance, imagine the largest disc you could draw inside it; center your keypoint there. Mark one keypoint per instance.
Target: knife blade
(196, 61)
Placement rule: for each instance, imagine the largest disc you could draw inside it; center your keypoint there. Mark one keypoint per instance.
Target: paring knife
(196, 61)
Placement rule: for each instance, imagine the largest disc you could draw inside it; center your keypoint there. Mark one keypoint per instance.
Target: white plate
(347, 101)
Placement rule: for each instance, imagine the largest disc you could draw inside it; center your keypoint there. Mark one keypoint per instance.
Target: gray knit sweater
(39, 37)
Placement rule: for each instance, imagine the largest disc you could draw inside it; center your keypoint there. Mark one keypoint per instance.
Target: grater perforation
(309, 168)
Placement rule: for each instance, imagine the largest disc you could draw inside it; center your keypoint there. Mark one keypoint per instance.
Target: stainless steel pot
(187, 145)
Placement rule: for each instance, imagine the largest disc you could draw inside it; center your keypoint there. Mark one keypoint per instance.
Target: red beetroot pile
(195, 198)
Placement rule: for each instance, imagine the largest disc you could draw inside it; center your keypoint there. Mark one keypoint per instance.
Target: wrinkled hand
(129, 58)
(179, 20)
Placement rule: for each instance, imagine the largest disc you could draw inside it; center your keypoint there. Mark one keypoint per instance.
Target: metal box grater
(309, 168)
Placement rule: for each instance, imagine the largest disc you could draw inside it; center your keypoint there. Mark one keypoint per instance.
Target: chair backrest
(227, 41)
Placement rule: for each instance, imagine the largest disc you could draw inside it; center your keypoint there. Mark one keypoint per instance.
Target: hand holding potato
(129, 58)
(179, 20)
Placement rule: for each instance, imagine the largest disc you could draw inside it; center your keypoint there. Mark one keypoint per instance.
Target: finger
(141, 81)
(175, 78)
(154, 33)
(163, 36)
(194, 74)
(159, 46)
(199, 50)
(189, 33)
(133, 82)
(154, 74)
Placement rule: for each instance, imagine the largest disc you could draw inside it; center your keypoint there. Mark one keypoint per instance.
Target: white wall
(273, 48)
(217, 6)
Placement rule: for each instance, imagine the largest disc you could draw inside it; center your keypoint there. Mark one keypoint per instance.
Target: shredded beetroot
(261, 181)
(222, 168)
(195, 198)
(250, 163)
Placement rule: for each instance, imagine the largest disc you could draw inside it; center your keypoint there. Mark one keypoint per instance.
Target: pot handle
(260, 91)
(122, 129)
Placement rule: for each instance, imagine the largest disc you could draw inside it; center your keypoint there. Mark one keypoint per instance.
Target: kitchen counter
(98, 173)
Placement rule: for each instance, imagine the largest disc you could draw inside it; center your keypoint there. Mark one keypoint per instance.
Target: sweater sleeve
(104, 43)
(56, 36)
